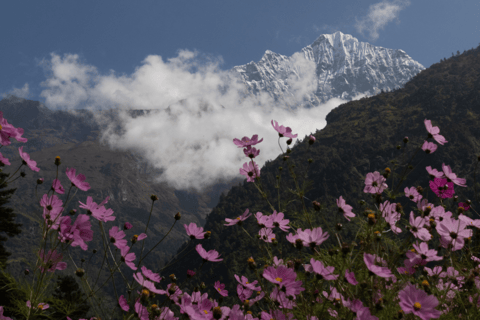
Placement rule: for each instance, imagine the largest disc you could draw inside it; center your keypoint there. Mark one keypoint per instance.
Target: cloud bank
(378, 16)
(23, 92)
(197, 111)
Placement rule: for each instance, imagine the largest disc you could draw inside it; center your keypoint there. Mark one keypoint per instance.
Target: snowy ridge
(334, 66)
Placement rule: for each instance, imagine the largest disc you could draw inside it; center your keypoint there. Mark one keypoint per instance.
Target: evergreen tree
(8, 286)
(68, 300)
(7, 218)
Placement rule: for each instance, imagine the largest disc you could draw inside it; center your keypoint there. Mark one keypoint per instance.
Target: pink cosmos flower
(57, 187)
(281, 276)
(251, 152)
(434, 132)
(141, 310)
(151, 275)
(243, 217)
(375, 183)
(79, 232)
(344, 208)
(279, 222)
(4, 160)
(437, 271)
(429, 147)
(122, 302)
(27, 161)
(267, 235)
(452, 177)
(350, 277)
(52, 209)
(392, 219)
(41, 306)
(469, 221)
(249, 285)
(434, 173)
(127, 226)
(442, 188)
(417, 228)
(369, 260)
(7, 130)
(247, 142)
(2, 317)
(52, 260)
(464, 205)
(194, 232)
(147, 283)
(453, 232)
(282, 131)
(128, 257)
(211, 255)
(322, 271)
(264, 221)
(251, 171)
(423, 253)
(78, 181)
(413, 194)
(116, 237)
(419, 303)
(220, 287)
(312, 237)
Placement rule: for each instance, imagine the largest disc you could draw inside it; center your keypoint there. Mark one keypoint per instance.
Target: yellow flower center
(250, 260)
(258, 292)
(417, 306)
(219, 290)
(278, 279)
(371, 215)
(40, 306)
(413, 250)
(247, 282)
(406, 272)
(425, 283)
(0, 127)
(431, 219)
(238, 218)
(206, 312)
(135, 236)
(145, 292)
(154, 306)
(249, 312)
(377, 232)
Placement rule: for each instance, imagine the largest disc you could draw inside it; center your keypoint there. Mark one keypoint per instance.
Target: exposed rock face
(343, 68)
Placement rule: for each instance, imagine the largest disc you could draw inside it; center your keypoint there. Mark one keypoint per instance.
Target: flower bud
(178, 216)
(468, 202)
(80, 272)
(362, 202)
(26, 272)
(23, 174)
(339, 226)
(72, 212)
(345, 248)
(285, 158)
(455, 198)
(289, 141)
(127, 226)
(420, 189)
(310, 160)
(460, 210)
(316, 205)
(289, 150)
(57, 161)
(134, 238)
(40, 181)
(172, 288)
(173, 277)
(311, 140)
(153, 197)
(156, 310)
(202, 286)
(251, 263)
(299, 244)
(190, 273)
(405, 140)
(94, 251)
(399, 147)
(217, 313)
(208, 234)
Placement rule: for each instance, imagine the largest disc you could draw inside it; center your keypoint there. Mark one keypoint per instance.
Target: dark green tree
(68, 300)
(7, 218)
(8, 286)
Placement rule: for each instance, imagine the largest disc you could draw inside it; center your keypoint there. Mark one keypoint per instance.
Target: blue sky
(153, 53)
(118, 35)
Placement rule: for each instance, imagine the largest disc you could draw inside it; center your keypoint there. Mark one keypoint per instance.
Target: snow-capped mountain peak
(335, 65)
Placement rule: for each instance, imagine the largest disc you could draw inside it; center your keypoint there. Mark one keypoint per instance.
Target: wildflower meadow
(419, 262)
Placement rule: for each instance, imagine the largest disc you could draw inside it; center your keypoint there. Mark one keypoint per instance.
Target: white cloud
(379, 15)
(23, 92)
(192, 140)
